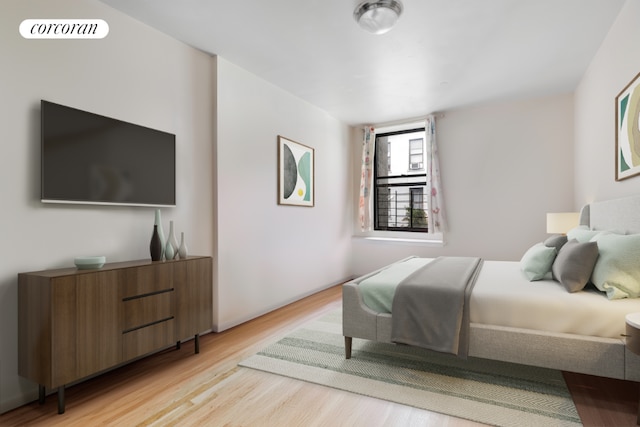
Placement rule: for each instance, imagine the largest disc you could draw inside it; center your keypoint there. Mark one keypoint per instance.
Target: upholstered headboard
(621, 215)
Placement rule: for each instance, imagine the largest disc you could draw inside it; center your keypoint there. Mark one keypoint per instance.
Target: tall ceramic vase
(158, 222)
(171, 247)
(155, 247)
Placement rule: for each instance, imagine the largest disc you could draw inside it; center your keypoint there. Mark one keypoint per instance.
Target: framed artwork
(628, 130)
(295, 173)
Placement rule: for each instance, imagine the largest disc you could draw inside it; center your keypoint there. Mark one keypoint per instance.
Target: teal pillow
(537, 261)
(617, 271)
(582, 234)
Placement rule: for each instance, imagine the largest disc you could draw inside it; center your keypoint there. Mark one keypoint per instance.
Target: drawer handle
(146, 325)
(164, 291)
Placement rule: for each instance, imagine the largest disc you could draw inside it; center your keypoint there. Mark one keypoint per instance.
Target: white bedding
(502, 296)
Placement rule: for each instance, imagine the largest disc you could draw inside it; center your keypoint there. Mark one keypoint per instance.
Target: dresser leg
(41, 394)
(61, 399)
(178, 344)
(197, 339)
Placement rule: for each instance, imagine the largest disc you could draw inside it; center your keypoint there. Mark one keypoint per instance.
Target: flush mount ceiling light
(378, 16)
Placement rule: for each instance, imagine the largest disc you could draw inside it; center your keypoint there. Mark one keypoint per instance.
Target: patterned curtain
(366, 179)
(436, 218)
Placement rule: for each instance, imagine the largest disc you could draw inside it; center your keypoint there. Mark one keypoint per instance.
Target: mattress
(502, 296)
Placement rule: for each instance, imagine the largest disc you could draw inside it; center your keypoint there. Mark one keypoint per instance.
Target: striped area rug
(491, 392)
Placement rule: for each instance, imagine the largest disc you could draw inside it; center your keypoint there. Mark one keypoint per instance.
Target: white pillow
(617, 270)
(537, 261)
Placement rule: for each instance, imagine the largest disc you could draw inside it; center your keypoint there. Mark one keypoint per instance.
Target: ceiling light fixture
(378, 16)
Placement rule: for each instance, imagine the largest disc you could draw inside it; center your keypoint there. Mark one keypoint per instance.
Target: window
(400, 181)
(416, 159)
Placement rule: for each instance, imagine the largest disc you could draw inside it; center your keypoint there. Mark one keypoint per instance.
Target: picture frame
(296, 173)
(628, 130)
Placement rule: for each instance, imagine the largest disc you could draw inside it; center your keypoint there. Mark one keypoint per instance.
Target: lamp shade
(561, 222)
(378, 16)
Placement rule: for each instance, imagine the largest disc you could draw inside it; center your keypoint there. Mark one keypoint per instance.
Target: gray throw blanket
(431, 307)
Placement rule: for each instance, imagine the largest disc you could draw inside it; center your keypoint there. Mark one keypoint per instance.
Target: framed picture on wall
(628, 130)
(295, 173)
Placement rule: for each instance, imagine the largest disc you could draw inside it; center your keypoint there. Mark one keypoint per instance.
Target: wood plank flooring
(177, 387)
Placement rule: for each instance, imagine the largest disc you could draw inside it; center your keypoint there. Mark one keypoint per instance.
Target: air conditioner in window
(414, 166)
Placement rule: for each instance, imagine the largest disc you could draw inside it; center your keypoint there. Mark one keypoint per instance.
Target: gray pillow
(556, 241)
(574, 264)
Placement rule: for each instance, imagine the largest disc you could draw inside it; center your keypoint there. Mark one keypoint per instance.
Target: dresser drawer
(150, 338)
(142, 311)
(147, 280)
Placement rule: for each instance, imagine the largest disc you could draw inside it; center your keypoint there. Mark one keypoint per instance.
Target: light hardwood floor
(176, 387)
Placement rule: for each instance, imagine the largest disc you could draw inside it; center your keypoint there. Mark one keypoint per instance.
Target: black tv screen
(92, 159)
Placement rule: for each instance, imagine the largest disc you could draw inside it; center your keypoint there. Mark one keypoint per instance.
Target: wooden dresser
(75, 323)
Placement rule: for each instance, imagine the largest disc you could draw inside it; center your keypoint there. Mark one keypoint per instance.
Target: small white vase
(168, 251)
(158, 222)
(182, 250)
(172, 252)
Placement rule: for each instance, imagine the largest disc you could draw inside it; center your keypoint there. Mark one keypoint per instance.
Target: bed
(537, 322)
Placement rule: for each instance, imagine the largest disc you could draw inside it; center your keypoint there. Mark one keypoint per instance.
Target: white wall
(270, 255)
(504, 166)
(614, 66)
(134, 74)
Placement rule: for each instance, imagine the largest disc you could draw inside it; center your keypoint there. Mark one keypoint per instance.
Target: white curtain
(436, 218)
(366, 179)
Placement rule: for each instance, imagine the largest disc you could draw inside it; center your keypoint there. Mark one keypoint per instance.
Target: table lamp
(561, 222)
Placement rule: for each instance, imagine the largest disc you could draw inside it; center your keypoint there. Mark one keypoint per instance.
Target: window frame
(411, 185)
(384, 237)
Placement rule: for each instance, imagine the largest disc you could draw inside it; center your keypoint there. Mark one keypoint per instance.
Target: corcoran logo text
(64, 29)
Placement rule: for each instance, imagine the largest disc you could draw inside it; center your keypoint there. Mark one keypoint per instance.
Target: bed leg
(347, 347)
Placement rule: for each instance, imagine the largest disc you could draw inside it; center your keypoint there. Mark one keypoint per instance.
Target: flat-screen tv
(92, 159)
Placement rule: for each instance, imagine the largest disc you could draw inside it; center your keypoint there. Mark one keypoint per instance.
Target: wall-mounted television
(87, 158)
